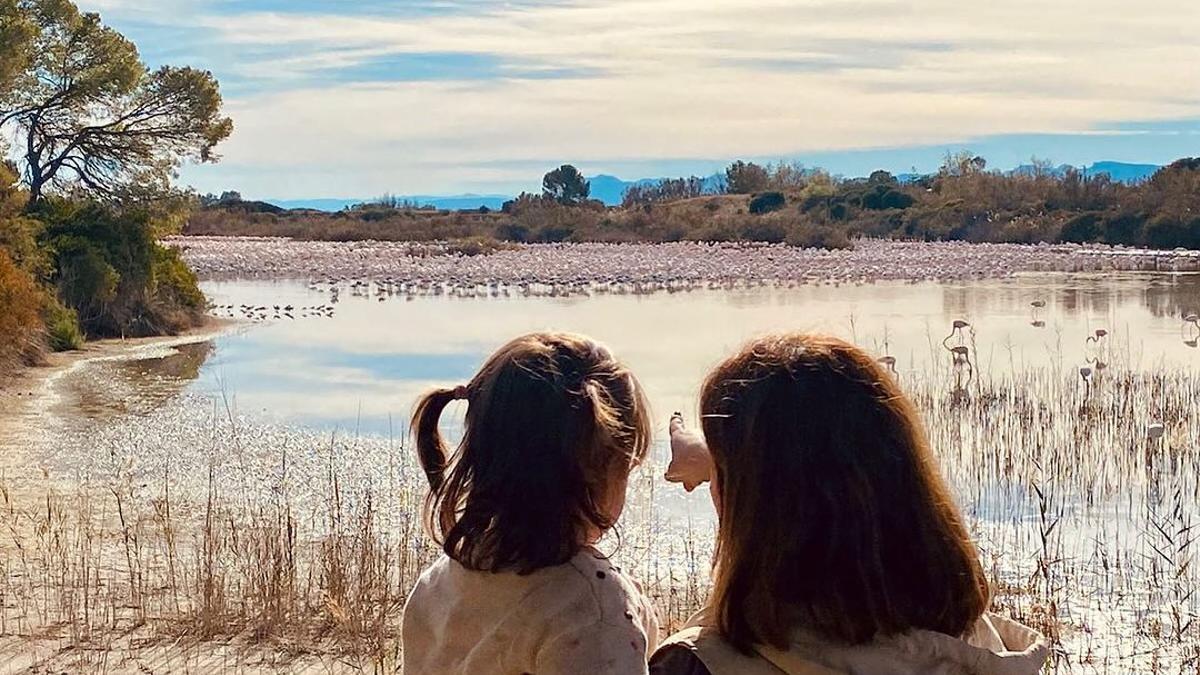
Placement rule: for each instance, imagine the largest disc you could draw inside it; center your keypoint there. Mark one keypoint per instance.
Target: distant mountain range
(448, 202)
(1117, 171)
(611, 190)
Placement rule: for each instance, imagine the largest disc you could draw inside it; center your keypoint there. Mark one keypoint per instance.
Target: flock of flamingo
(409, 270)
(1095, 351)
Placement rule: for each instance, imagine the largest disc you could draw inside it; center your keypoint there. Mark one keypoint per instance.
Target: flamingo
(1193, 320)
(961, 356)
(957, 326)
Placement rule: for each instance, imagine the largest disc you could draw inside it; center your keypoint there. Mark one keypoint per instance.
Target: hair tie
(460, 393)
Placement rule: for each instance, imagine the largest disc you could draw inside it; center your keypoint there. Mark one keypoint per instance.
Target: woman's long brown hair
(553, 420)
(833, 517)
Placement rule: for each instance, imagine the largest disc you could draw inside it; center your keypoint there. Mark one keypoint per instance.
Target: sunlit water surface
(362, 369)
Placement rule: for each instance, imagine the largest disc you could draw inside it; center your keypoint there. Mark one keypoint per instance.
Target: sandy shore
(31, 396)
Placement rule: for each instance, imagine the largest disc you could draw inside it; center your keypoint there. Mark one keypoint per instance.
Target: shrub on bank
(766, 202)
(109, 268)
(62, 327)
(21, 303)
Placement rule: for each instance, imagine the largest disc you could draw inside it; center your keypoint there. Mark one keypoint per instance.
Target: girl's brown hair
(833, 517)
(553, 421)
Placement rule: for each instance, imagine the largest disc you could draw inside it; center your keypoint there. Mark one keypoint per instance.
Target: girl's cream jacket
(583, 616)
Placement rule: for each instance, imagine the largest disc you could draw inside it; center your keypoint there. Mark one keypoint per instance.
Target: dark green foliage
(881, 197)
(766, 202)
(882, 178)
(1168, 232)
(743, 178)
(566, 186)
(62, 327)
(108, 267)
(1124, 228)
(1083, 228)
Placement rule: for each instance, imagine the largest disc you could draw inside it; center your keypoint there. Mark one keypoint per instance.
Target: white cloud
(668, 78)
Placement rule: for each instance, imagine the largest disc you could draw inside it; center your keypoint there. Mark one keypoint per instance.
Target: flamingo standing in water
(1192, 320)
(1035, 313)
(962, 357)
(1085, 374)
(956, 329)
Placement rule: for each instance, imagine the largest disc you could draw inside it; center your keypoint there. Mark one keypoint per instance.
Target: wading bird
(956, 329)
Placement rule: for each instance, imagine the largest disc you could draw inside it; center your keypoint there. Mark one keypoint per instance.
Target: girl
(839, 548)
(554, 425)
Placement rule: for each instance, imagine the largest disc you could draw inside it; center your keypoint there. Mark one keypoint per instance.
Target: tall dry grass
(1083, 515)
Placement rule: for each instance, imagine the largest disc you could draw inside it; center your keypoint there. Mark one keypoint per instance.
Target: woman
(839, 548)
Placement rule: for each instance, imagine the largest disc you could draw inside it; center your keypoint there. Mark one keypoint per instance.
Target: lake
(1082, 515)
(363, 367)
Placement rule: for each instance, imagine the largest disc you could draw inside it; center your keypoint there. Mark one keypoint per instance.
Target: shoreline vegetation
(782, 203)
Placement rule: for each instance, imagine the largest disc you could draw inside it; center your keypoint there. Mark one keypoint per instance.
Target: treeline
(90, 194)
(788, 203)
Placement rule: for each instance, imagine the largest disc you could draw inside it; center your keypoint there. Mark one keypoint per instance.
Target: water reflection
(112, 388)
(362, 368)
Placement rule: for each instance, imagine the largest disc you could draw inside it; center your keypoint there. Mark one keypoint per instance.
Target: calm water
(361, 369)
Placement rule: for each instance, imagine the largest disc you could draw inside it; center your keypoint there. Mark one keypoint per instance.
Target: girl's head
(554, 425)
(832, 514)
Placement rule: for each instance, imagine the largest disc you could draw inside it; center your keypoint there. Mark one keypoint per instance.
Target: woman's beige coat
(996, 646)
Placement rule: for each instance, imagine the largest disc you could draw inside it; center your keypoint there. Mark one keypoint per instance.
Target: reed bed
(193, 539)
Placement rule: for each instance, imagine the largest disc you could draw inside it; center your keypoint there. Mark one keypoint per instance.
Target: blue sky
(347, 98)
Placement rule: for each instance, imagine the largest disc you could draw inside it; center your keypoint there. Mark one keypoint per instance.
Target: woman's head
(553, 426)
(832, 514)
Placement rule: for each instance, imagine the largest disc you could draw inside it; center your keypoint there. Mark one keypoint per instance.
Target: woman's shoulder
(675, 659)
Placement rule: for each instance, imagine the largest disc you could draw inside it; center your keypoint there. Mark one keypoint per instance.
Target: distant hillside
(1117, 171)
(447, 202)
(1122, 172)
(611, 190)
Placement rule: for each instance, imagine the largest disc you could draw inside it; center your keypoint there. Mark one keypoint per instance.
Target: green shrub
(1166, 232)
(1124, 228)
(108, 267)
(62, 327)
(767, 202)
(1082, 228)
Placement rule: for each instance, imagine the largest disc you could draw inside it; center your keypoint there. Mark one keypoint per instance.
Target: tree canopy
(89, 114)
(566, 185)
(743, 178)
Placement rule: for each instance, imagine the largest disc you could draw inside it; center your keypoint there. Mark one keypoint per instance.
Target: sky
(356, 98)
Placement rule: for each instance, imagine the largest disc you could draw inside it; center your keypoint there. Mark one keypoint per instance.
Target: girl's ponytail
(430, 448)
